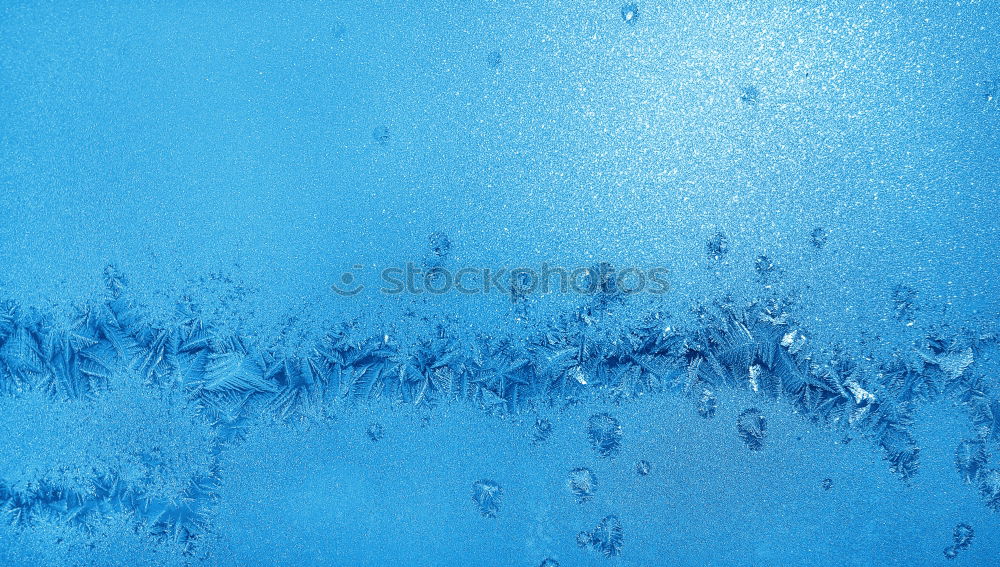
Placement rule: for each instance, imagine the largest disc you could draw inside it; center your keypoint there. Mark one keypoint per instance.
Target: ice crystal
(375, 432)
(541, 431)
(605, 434)
(487, 494)
(963, 535)
(749, 95)
(970, 459)
(819, 237)
(752, 428)
(989, 488)
(191, 379)
(717, 246)
(643, 468)
(495, 59)
(707, 404)
(582, 483)
(382, 135)
(630, 13)
(606, 538)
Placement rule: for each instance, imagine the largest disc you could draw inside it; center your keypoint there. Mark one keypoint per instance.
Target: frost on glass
(749, 95)
(970, 459)
(605, 434)
(989, 488)
(375, 432)
(541, 431)
(129, 412)
(643, 468)
(707, 404)
(819, 237)
(606, 538)
(717, 247)
(752, 427)
(961, 539)
(486, 494)
(582, 483)
(494, 59)
(382, 135)
(630, 13)
(989, 91)
(962, 535)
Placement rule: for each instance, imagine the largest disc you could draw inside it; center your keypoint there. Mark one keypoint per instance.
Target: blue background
(224, 152)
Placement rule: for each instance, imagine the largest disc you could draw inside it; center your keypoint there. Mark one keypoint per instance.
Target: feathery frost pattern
(487, 494)
(582, 483)
(186, 375)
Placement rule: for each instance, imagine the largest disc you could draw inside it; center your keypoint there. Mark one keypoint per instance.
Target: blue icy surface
(180, 186)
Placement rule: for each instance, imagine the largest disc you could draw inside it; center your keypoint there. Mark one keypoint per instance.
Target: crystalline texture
(541, 431)
(707, 404)
(486, 494)
(605, 434)
(970, 459)
(643, 468)
(989, 488)
(607, 537)
(963, 535)
(582, 482)
(630, 13)
(752, 428)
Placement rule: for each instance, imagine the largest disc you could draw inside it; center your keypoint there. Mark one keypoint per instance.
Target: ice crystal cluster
(119, 417)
